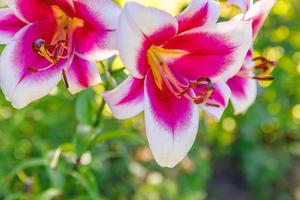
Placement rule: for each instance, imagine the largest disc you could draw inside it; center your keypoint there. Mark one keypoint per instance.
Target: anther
(266, 78)
(266, 66)
(199, 100)
(43, 49)
(38, 44)
(33, 70)
(212, 105)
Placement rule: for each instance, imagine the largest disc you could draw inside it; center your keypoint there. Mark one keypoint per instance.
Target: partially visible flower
(244, 5)
(177, 65)
(52, 40)
(243, 86)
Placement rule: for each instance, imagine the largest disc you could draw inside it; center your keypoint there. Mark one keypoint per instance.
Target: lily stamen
(163, 74)
(266, 66)
(44, 50)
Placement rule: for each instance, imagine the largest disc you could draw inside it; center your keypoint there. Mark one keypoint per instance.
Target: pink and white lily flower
(52, 40)
(177, 65)
(244, 85)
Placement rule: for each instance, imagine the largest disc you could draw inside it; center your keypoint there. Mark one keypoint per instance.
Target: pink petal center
(166, 77)
(60, 47)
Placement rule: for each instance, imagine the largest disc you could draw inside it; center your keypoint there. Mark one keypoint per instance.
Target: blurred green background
(70, 147)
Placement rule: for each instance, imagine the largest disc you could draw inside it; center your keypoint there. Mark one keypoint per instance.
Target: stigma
(197, 91)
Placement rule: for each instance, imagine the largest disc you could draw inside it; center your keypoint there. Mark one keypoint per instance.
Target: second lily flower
(52, 40)
(177, 65)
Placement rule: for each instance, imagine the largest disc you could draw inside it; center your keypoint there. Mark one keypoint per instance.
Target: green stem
(99, 114)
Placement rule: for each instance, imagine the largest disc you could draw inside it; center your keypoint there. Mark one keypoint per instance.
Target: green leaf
(1, 46)
(87, 185)
(37, 162)
(84, 107)
(102, 137)
(82, 139)
(50, 194)
(18, 196)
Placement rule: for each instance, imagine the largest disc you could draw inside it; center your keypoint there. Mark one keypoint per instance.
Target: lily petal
(220, 96)
(18, 84)
(126, 100)
(198, 13)
(96, 40)
(258, 13)
(139, 28)
(81, 75)
(216, 52)
(66, 5)
(171, 124)
(9, 25)
(244, 93)
(244, 5)
(30, 10)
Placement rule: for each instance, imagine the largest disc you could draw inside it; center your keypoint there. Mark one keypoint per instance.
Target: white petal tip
(168, 161)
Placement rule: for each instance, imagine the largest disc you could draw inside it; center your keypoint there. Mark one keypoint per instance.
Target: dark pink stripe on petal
(31, 10)
(66, 5)
(87, 39)
(171, 123)
(158, 38)
(173, 113)
(96, 39)
(238, 86)
(258, 13)
(134, 93)
(257, 24)
(82, 74)
(126, 100)
(209, 54)
(80, 71)
(198, 19)
(9, 24)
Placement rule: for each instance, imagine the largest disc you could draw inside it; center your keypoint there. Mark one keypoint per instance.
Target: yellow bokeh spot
(281, 33)
(265, 84)
(296, 111)
(295, 40)
(298, 68)
(284, 8)
(228, 11)
(229, 124)
(274, 53)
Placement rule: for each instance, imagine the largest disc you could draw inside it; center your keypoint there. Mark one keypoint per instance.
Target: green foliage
(70, 147)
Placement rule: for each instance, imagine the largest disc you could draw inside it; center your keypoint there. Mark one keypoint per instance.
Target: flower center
(61, 45)
(263, 69)
(198, 91)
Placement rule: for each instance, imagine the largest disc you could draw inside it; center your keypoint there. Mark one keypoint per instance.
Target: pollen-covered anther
(207, 88)
(264, 66)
